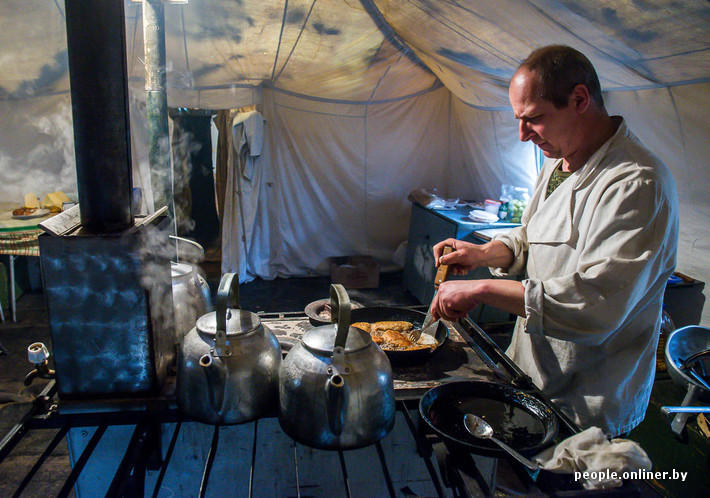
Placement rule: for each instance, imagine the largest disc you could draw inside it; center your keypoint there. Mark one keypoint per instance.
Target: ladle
(481, 429)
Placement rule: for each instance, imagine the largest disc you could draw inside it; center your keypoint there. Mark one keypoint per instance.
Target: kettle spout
(336, 392)
(216, 374)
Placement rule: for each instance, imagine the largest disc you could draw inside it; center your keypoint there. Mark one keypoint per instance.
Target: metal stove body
(110, 311)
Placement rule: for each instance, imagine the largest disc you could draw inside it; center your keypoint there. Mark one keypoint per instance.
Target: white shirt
(598, 253)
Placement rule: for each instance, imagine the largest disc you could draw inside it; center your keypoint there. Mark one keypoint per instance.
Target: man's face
(540, 121)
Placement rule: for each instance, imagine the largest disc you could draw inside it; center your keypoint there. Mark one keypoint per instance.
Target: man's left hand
(455, 299)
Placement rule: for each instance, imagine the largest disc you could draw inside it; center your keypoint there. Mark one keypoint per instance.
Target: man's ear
(580, 98)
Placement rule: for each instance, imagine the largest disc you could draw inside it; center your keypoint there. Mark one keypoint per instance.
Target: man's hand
(454, 299)
(464, 258)
(457, 297)
(467, 256)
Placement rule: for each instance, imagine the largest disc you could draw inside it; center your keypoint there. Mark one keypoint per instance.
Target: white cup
(491, 206)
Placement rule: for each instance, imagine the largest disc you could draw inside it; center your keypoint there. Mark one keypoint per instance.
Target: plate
(317, 313)
(37, 214)
(480, 216)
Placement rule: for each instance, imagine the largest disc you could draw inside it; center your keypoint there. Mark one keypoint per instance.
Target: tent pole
(157, 104)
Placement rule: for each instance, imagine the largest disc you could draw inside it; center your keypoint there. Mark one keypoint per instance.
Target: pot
(228, 364)
(687, 355)
(191, 297)
(519, 419)
(336, 389)
(384, 313)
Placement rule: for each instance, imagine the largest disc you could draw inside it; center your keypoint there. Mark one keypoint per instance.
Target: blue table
(429, 226)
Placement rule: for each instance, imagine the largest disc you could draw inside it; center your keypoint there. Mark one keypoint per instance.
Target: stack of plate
(480, 216)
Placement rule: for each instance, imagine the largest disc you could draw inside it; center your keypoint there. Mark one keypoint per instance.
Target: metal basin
(681, 345)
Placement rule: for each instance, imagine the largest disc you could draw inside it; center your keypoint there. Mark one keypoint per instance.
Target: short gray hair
(559, 70)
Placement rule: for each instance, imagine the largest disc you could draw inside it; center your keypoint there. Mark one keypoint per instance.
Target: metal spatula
(429, 326)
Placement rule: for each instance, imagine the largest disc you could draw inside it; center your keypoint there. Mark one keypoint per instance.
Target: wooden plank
(406, 468)
(274, 467)
(232, 464)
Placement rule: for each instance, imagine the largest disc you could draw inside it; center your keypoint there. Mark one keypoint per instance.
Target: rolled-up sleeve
(628, 249)
(516, 241)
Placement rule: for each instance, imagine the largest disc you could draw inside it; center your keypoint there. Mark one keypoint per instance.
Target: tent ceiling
(370, 50)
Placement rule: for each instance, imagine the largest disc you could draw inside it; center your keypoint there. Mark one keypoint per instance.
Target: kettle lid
(238, 322)
(322, 339)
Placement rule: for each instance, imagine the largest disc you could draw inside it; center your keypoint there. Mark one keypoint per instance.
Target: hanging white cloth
(248, 137)
(245, 227)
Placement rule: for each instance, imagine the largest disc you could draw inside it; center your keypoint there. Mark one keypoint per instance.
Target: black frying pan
(520, 420)
(383, 313)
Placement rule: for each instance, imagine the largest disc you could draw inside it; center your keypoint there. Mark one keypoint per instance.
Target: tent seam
(281, 33)
(298, 38)
(687, 161)
(365, 181)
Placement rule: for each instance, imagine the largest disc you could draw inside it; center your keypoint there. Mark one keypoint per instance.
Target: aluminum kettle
(336, 389)
(191, 293)
(228, 364)
(191, 297)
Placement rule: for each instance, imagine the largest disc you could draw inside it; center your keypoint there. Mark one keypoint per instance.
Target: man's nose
(525, 131)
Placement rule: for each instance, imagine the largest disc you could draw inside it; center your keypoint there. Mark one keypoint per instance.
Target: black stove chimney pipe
(96, 43)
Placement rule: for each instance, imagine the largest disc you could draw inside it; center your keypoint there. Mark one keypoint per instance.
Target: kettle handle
(227, 298)
(340, 310)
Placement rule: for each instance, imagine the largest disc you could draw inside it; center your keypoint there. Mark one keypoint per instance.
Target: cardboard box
(355, 272)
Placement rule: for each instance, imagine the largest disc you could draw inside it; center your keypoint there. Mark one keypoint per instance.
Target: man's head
(559, 69)
(556, 96)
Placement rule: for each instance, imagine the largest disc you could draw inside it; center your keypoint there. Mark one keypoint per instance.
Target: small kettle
(228, 365)
(336, 389)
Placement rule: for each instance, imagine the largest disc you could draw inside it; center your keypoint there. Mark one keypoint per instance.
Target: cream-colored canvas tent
(362, 101)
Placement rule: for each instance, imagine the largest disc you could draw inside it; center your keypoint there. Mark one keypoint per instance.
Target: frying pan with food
(519, 419)
(384, 313)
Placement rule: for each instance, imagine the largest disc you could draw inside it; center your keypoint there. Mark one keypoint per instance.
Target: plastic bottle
(503, 211)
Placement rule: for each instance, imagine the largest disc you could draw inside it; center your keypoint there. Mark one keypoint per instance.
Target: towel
(599, 462)
(248, 132)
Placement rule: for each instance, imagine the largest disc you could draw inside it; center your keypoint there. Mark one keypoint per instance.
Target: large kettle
(335, 386)
(228, 365)
(191, 297)
(191, 293)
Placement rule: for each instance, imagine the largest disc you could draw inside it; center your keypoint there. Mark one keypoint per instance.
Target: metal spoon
(481, 429)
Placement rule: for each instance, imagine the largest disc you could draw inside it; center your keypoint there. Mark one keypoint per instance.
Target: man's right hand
(464, 258)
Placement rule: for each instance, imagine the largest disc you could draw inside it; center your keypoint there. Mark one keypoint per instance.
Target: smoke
(41, 158)
(154, 254)
(59, 127)
(183, 148)
(169, 178)
(176, 302)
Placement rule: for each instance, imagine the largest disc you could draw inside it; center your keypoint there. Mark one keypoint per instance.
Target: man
(596, 245)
